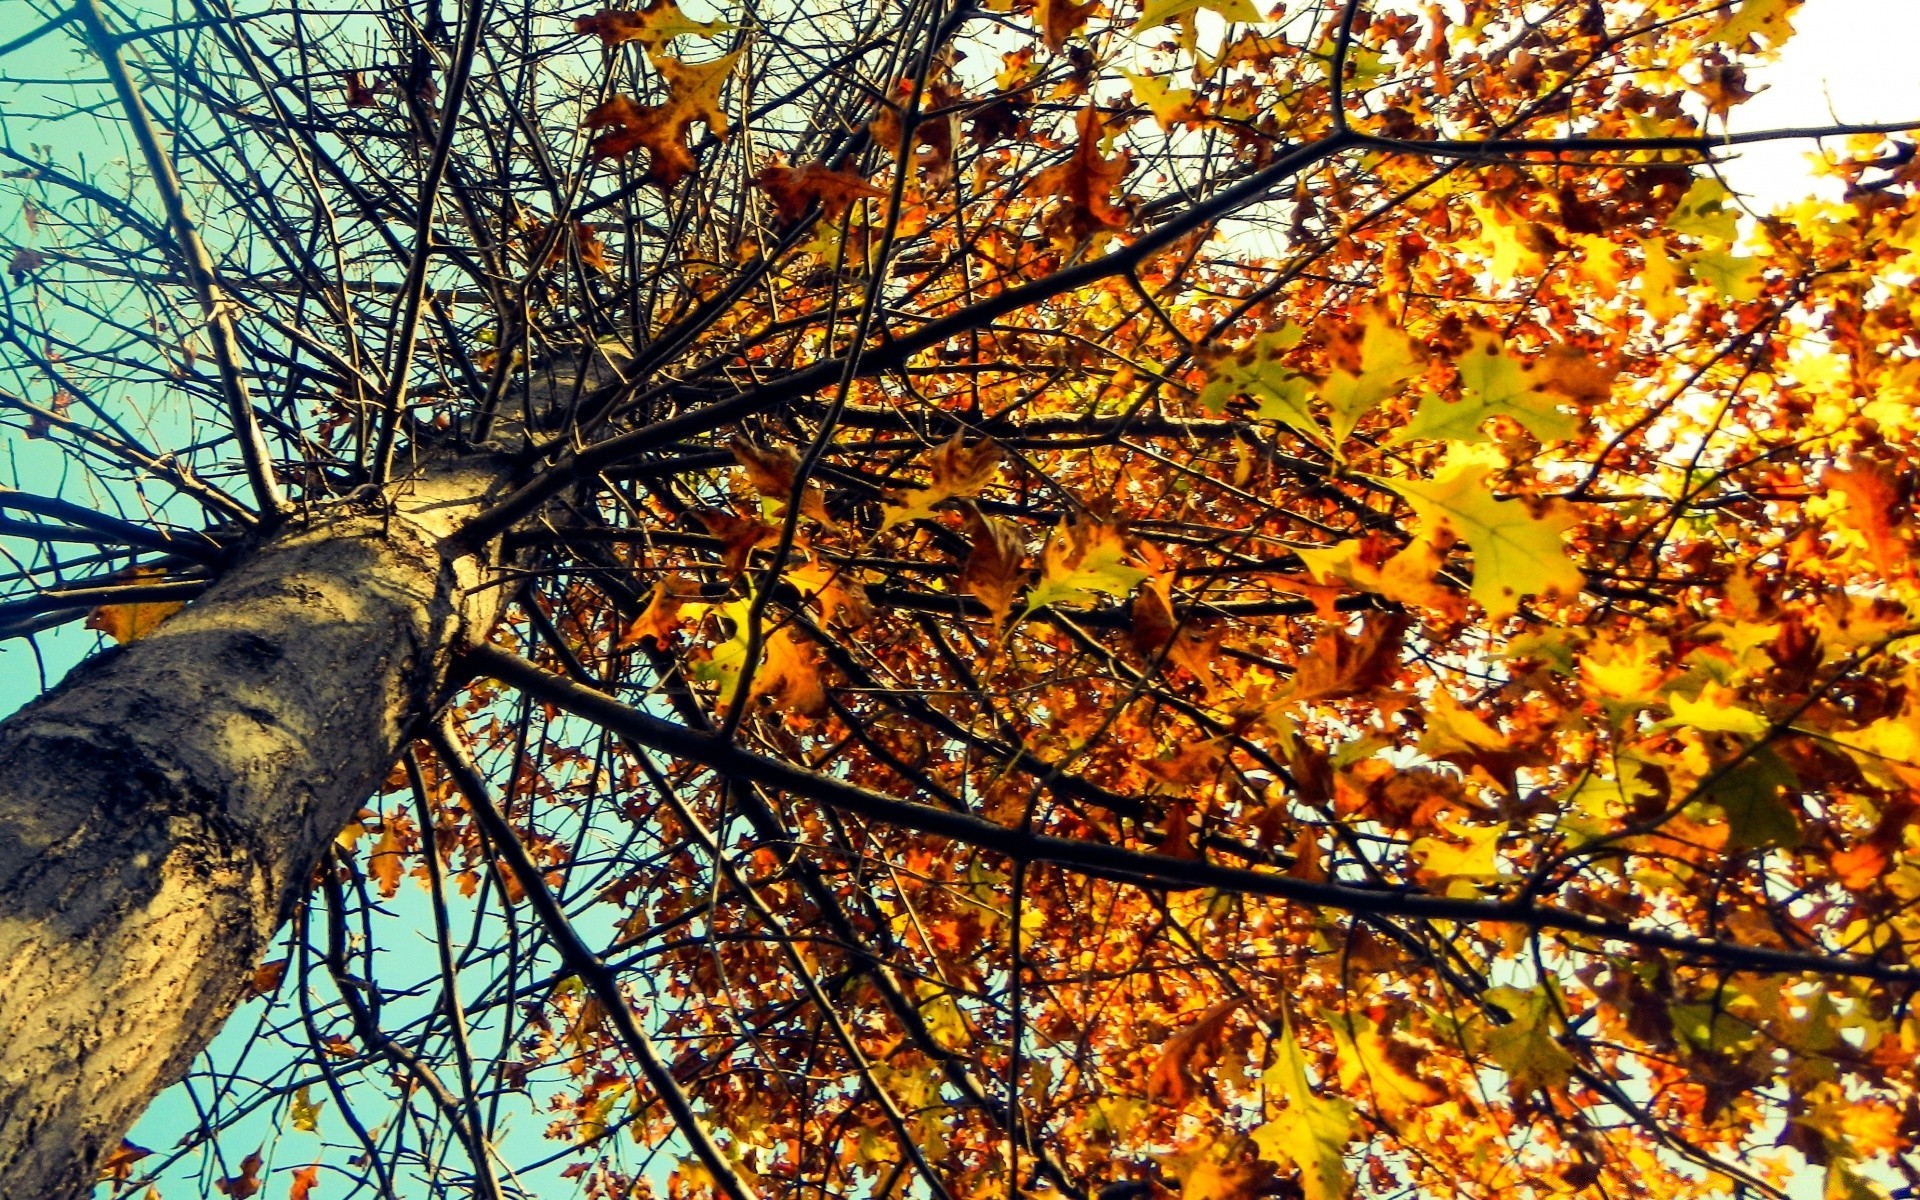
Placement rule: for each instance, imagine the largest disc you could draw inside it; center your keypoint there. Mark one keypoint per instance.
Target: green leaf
(1525, 1047)
(1165, 12)
(1750, 795)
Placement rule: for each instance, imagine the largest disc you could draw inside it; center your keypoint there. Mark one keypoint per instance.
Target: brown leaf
(24, 260)
(359, 93)
(993, 571)
(246, 1183)
(796, 189)
(1340, 666)
(117, 1166)
(738, 535)
(1186, 1054)
(662, 614)
(266, 978)
(1086, 181)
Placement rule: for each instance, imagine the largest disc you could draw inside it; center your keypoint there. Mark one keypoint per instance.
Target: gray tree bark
(163, 810)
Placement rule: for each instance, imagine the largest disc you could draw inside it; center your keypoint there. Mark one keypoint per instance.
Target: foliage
(1154, 600)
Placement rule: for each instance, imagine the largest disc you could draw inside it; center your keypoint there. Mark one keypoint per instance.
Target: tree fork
(162, 812)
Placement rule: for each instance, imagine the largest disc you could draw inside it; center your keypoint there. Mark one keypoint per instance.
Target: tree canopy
(1095, 599)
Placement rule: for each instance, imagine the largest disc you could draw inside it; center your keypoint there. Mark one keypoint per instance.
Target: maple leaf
(1086, 181)
(1872, 493)
(132, 621)
(1081, 561)
(384, 864)
(654, 25)
(1171, 107)
(1492, 384)
(1770, 20)
(956, 472)
(1341, 665)
(993, 573)
(1185, 1054)
(1166, 12)
(1525, 1046)
(1372, 359)
(1312, 1132)
(266, 977)
(1258, 373)
(1371, 1064)
(302, 1112)
(1515, 552)
(116, 1166)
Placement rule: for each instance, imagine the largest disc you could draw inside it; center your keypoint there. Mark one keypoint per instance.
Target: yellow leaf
(1170, 106)
(1379, 359)
(1164, 12)
(1525, 1047)
(304, 1114)
(1715, 712)
(1660, 281)
(1257, 373)
(656, 24)
(1736, 277)
(1451, 729)
(1767, 19)
(1475, 856)
(1367, 1068)
(1492, 384)
(1079, 562)
(1515, 553)
(1706, 212)
(1312, 1132)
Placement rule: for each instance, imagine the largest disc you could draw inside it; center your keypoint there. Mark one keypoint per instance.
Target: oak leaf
(304, 1181)
(1186, 1054)
(794, 190)
(1086, 182)
(243, 1185)
(654, 25)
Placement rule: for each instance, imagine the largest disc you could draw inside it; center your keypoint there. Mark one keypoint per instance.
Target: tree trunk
(163, 810)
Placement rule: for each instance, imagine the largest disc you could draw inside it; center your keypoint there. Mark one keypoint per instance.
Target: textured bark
(163, 809)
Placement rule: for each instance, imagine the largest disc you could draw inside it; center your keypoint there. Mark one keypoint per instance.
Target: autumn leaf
(652, 26)
(1165, 12)
(1082, 561)
(1172, 107)
(664, 130)
(116, 1166)
(130, 622)
(794, 190)
(1085, 182)
(384, 864)
(243, 1185)
(1492, 384)
(304, 1181)
(1372, 359)
(1524, 1045)
(266, 977)
(1313, 1130)
(993, 573)
(1872, 492)
(1373, 1065)
(956, 472)
(302, 1112)
(656, 623)
(1059, 20)
(1769, 20)
(1515, 552)
(1184, 1055)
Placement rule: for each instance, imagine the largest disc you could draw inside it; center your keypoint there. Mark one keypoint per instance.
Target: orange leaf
(304, 1181)
(130, 622)
(1186, 1054)
(1061, 19)
(384, 865)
